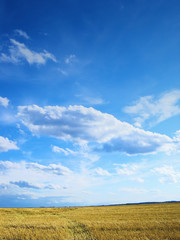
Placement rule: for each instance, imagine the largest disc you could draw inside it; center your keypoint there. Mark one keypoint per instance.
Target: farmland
(132, 222)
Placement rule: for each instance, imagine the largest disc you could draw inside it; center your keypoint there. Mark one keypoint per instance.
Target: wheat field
(132, 222)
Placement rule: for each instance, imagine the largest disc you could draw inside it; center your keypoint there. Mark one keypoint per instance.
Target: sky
(89, 102)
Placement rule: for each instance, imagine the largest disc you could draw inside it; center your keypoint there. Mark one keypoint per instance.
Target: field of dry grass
(132, 222)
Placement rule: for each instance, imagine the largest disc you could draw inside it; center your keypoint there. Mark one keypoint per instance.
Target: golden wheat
(129, 222)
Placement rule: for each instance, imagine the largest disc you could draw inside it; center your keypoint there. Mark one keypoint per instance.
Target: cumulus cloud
(19, 52)
(168, 174)
(156, 110)
(4, 101)
(22, 33)
(6, 144)
(87, 125)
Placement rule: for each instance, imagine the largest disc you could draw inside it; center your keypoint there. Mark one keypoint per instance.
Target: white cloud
(86, 125)
(18, 52)
(57, 169)
(22, 33)
(89, 98)
(127, 169)
(70, 59)
(11, 58)
(8, 116)
(4, 101)
(177, 135)
(38, 180)
(168, 174)
(102, 172)
(25, 184)
(94, 100)
(35, 168)
(84, 152)
(132, 171)
(156, 110)
(139, 179)
(65, 73)
(6, 145)
(176, 139)
(66, 151)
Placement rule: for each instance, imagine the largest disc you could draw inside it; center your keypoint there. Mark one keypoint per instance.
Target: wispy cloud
(91, 100)
(86, 125)
(94, 100)
(70, 59)
(66, 151)
(134, 190)
(33, 179)
(6, 144)
(4, 101)
(57, 169)
(155, 110)
(25, 184)
(132, 171)
(127, 169)
(21, 33)
(88, 97)
(38, 180)
(176, 139)
(102, 172)
(19, 52)
(63, 72)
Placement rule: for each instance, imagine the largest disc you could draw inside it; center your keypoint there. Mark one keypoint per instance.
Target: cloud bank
(83, 125)
(37, 180)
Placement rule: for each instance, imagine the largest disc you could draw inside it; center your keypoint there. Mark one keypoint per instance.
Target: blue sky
(89, 102)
